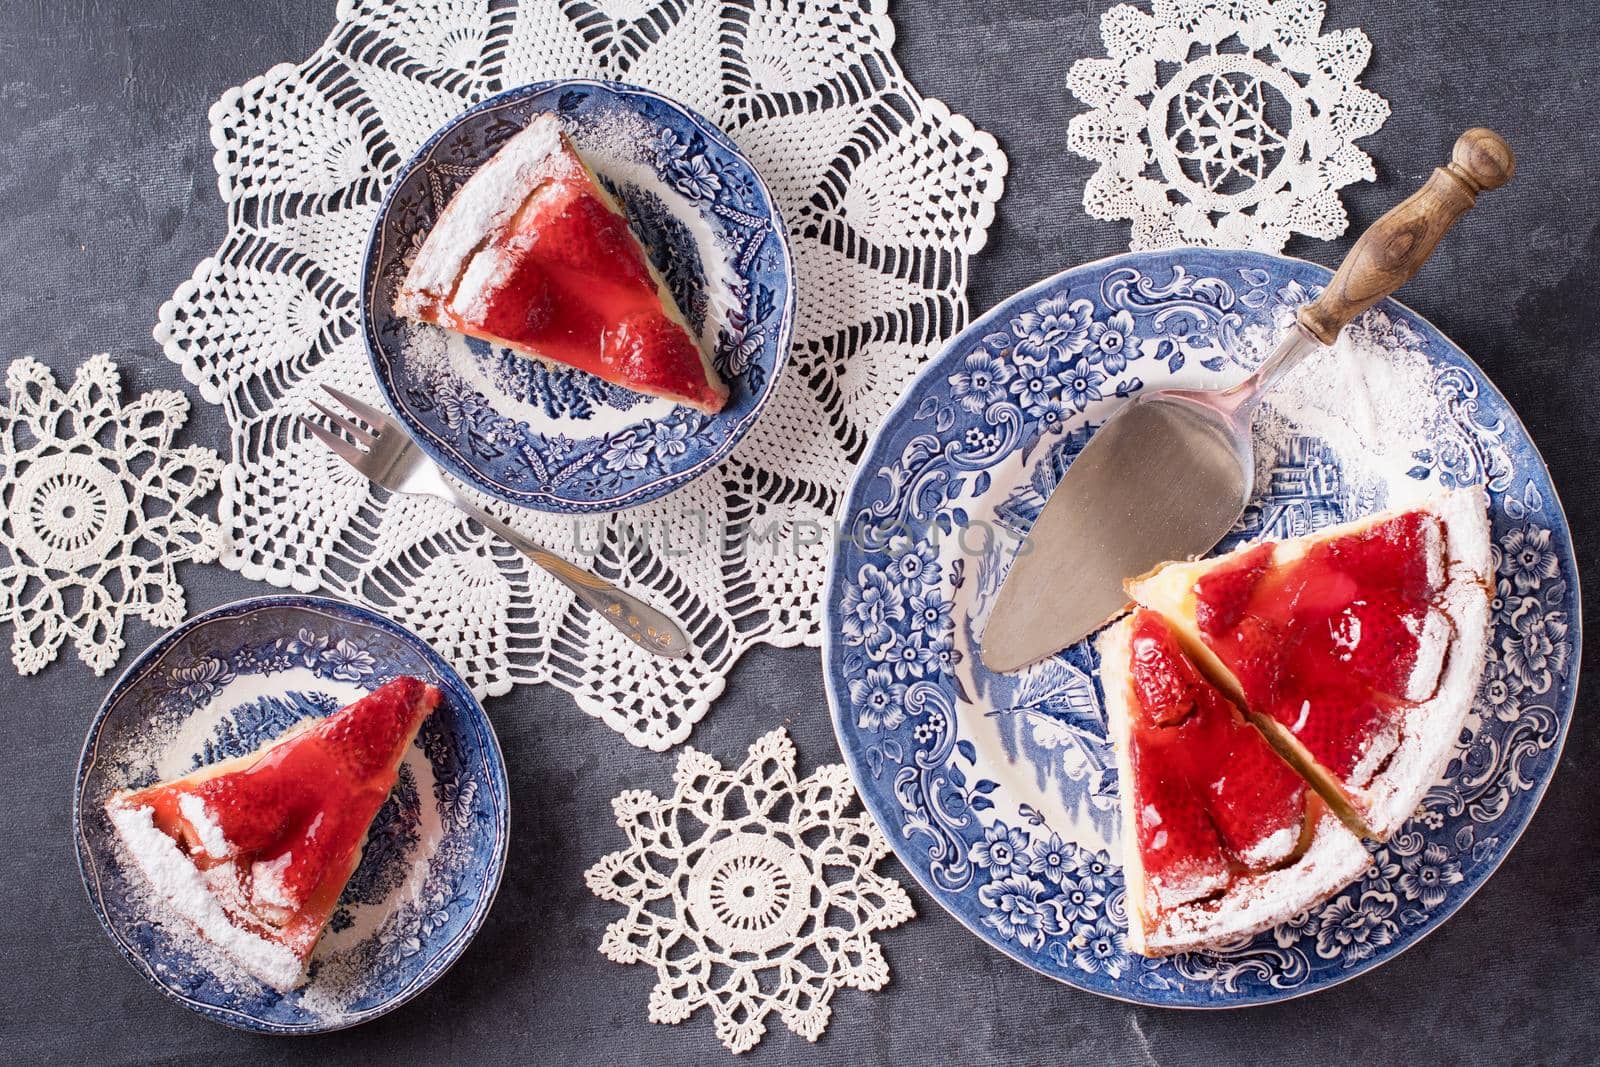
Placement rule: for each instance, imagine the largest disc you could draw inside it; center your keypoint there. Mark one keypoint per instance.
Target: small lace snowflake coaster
(95, 508)
(1227, 123)
(750, 892)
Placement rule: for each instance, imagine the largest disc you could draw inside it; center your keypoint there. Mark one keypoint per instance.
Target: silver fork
(386, 454)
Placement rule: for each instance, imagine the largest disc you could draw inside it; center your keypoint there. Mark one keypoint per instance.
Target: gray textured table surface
(107, 200)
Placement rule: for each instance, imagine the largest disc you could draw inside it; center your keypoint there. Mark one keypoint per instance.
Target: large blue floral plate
(558, 439)
(999, 792)
(221, 685)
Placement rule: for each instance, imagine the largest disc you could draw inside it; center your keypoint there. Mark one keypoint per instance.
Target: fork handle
(636, 620)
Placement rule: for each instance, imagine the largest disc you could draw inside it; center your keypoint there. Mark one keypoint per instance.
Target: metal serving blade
(1168, 475)
(1163, 479)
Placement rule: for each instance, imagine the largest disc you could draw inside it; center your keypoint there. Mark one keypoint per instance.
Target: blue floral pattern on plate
(555, 438)
(999, 792)
(223, 684)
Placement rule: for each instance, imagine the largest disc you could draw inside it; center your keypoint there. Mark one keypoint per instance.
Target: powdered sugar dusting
(1273, 848)
(484, 274)
(1180, 885)
(1255, 902)
(482, 207)
(205, 827)
(1373, 399)
(1433, 644)
(1376, 749)
(183, 889)
(267, 879)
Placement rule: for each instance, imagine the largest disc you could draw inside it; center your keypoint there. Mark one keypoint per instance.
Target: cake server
(1169, 474)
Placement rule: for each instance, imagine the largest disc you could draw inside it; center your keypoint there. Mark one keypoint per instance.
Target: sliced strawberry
(1336, 726)
(1163, 678)
(650, 348)
(1222, 596)
(1209, 792)
(1391, 556)
(1256, 801)
(1253, 652)
(1178, 844)
(585, 236)
(1310, 589)
(1214, 767)
(376, 729)
(1329, 635)
(255, 811)
(1375, 642)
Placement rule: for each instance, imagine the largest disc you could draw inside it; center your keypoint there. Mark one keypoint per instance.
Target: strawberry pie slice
(1221, 838)
(1356, 649)
(255, 851)
(533, 254)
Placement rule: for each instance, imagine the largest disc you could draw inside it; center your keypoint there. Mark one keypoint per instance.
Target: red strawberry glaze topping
(1227, 592)
(1327, 643)
(1213, 798)
(649, 349)
(572, 285)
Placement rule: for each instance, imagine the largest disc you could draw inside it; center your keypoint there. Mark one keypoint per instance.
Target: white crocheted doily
(886, 195)
(96, 506)
(750, 892)
(1226, 123)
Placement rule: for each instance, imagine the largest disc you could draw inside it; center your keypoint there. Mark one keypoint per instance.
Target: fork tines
(364, 437)
(345, 449)
(366, 412)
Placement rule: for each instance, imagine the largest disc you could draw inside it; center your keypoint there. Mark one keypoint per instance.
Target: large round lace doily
(886, 195)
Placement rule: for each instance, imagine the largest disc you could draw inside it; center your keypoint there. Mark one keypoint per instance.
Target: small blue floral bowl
(220, 686)
(558, 439)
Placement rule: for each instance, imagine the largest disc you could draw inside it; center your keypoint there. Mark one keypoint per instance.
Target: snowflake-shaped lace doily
(1227, 123)
(886, 195)
(95, 508)
(750, 892)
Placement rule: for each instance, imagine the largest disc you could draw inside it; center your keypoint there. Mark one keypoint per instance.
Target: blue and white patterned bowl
(999, 792)
(558, 439)
(221, 685)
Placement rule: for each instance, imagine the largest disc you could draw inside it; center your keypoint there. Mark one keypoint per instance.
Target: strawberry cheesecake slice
(533, 254)
(255, 851)
(1221, 838)
(1356, 649)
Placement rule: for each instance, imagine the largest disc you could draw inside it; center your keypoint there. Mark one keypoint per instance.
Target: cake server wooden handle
(1395, 247)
